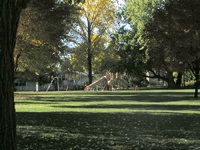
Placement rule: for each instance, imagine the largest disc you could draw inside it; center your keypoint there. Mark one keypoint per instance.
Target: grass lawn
(118, 120)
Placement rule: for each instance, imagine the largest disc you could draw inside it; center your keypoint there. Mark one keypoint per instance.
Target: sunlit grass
(108, 102)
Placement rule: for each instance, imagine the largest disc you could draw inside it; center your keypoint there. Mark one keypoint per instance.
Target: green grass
(119, 120)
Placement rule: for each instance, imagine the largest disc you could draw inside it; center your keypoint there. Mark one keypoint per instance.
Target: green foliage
(170, 31)
(132, 56)
(173, 31)
(89, 31)
(133, 51)
(140, 11)
(108, 60)
(103, 58)
(172, 36)
(41, 32)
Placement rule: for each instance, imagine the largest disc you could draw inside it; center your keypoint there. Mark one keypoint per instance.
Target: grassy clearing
(120, 120)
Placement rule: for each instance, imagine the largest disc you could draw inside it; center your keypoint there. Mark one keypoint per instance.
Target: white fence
(31, 86)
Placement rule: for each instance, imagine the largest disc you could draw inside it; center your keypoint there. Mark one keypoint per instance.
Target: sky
(120, 3)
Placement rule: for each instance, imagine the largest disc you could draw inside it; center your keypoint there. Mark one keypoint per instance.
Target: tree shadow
(110, 131)
(62, 131)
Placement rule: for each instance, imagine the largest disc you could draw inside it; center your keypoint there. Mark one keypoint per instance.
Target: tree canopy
(43, 26)
(173, 35)
(91, 25)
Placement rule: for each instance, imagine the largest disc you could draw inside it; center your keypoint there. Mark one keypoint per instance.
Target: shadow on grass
(96, 131)
(109, 131)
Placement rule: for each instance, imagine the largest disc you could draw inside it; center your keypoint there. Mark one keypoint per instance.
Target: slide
(87, 88)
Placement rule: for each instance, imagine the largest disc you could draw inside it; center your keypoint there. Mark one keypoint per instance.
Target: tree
(159, 61)
(40, 38)
(139, 12)
(10, 11)
(109, 59)
(174, 32)
(132, 56)
(95, 18)
(103, 57)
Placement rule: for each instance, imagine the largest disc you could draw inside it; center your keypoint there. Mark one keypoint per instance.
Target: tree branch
(155, 75)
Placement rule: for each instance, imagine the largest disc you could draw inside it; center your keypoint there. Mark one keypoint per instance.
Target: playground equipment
(108, 81)
(54, 79)
(102, 79)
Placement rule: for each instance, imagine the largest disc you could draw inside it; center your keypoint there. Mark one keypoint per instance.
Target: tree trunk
(9, 18)
(196, 78)
(90, 68)
(179, 80)
(196, 90)
(7, 110)
(170, 81)
(89, 52)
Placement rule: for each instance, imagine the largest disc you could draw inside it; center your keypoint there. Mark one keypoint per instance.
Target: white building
(64, 81)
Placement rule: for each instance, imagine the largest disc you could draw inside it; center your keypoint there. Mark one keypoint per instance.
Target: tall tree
(96, 16)
(40, 37)
(103, 57)
(10, 11)
(132, 56)
(174, 32)
(159, 63)
(138, 12)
